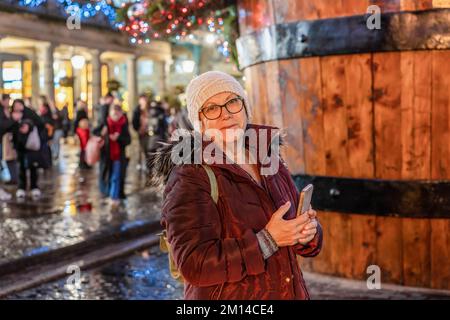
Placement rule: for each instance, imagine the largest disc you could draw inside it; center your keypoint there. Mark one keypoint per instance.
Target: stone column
(35, 88)
(1, 76)
(165, 70)
(77, 83)
(132, 82)
(49, 76)
(96, 76)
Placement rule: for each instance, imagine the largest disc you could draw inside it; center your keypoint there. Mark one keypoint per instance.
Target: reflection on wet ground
(142, 276)
(146, 276)
(70, 210)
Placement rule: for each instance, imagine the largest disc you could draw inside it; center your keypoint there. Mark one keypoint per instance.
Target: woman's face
(228, 122)
(115, 114)
(17, 111)
(43, 110)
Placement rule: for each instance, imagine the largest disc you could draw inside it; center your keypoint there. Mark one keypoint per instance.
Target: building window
(12, 78)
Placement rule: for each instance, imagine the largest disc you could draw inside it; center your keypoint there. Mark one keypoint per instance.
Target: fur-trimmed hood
(171, 154)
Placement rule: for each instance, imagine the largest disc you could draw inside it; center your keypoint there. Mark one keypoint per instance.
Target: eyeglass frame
(224, 106)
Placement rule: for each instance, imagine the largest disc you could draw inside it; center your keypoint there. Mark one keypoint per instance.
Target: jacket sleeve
(136, 120)
(193, 225)
(97, 131)
(6, 124)
(37, 121)
(124, 138)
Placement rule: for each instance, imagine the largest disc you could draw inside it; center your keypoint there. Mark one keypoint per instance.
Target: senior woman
(243, 246)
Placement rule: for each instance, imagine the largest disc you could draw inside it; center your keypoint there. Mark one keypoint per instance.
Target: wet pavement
(142, 276)
(145, 276)
(71, 209)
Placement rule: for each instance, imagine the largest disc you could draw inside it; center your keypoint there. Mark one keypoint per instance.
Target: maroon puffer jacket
(215, 246)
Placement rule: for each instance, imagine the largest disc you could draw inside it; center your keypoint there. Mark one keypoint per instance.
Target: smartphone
(305, 199)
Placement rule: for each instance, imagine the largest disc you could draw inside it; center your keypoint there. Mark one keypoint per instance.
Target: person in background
(83, 134)
(5, 125)
(41, 101)
(25, 121)
(81, 117)
(102, 115)
(157, 126)
(58, 132)
(81, 113)
(171, 121)
(140, 125)
(9, 155)
(28, 102)
(45, 113)
(97, 109)
(182, 120)
(113, 160)
(64, 113)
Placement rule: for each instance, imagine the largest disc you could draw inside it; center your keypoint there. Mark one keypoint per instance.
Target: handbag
(9, 153)
(93, 147)
(164, 244)
(33, 140)
(5, 175)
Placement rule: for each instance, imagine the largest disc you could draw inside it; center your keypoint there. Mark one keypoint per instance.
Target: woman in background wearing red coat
(245, 245)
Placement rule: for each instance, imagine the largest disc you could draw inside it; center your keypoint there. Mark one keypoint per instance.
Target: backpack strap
(212, 182)
(164, 244)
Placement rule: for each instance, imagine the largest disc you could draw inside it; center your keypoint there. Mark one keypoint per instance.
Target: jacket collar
(160, 163)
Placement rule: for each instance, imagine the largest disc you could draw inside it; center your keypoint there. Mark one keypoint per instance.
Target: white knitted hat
(207, 85)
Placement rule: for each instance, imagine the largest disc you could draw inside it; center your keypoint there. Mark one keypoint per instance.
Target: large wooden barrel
(368, 121)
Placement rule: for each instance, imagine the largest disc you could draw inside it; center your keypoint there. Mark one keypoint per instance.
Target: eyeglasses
(213, 112)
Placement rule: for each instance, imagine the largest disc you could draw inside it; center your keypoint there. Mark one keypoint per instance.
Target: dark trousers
(12, 167)
(23, 167)
(82, 164)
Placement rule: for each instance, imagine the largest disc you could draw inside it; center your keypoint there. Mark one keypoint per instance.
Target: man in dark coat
(5, 121)
(157, 126)
(24, 117)
(5, 125)
(104, 109)
(81, 113)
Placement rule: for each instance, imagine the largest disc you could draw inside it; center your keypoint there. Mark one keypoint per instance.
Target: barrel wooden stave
(374, 115)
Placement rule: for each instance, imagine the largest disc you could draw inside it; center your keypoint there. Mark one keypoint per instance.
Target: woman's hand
(310, 229)
(288, 232)
(114, 136)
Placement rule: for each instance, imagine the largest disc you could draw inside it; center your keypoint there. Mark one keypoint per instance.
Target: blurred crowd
(30, 139)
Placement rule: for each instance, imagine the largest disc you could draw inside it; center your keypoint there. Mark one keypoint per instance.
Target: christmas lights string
(176, 20)
(173, 20)
(85, 11)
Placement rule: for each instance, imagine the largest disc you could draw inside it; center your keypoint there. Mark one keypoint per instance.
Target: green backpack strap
(164, 243)
(212, 183)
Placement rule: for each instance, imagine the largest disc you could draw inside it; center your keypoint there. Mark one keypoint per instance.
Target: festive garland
(175, 20)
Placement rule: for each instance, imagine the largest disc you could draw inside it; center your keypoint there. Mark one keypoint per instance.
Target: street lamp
(78, 61)
(210, 38)
(188, 66)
